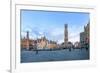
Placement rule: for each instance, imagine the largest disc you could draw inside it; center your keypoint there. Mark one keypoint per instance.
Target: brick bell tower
(66, 35)
(27, 40)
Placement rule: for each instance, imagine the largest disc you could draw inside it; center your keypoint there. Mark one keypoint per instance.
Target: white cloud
(57, 31)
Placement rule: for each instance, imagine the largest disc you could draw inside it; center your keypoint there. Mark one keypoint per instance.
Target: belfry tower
(27, 40)
(66, 35)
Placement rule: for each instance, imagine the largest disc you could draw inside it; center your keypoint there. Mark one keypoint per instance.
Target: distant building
(69, 45)
(84, 37)
(27, 43)
(77, 45)
(52, 45)
(41, 43)
(66, 35)
(87, 33)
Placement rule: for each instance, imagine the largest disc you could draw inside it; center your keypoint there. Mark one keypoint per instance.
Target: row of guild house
(40, 43)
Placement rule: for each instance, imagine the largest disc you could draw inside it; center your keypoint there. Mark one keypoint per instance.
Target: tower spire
(27, 35)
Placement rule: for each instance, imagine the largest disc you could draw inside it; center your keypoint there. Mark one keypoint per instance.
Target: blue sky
(51, 24)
